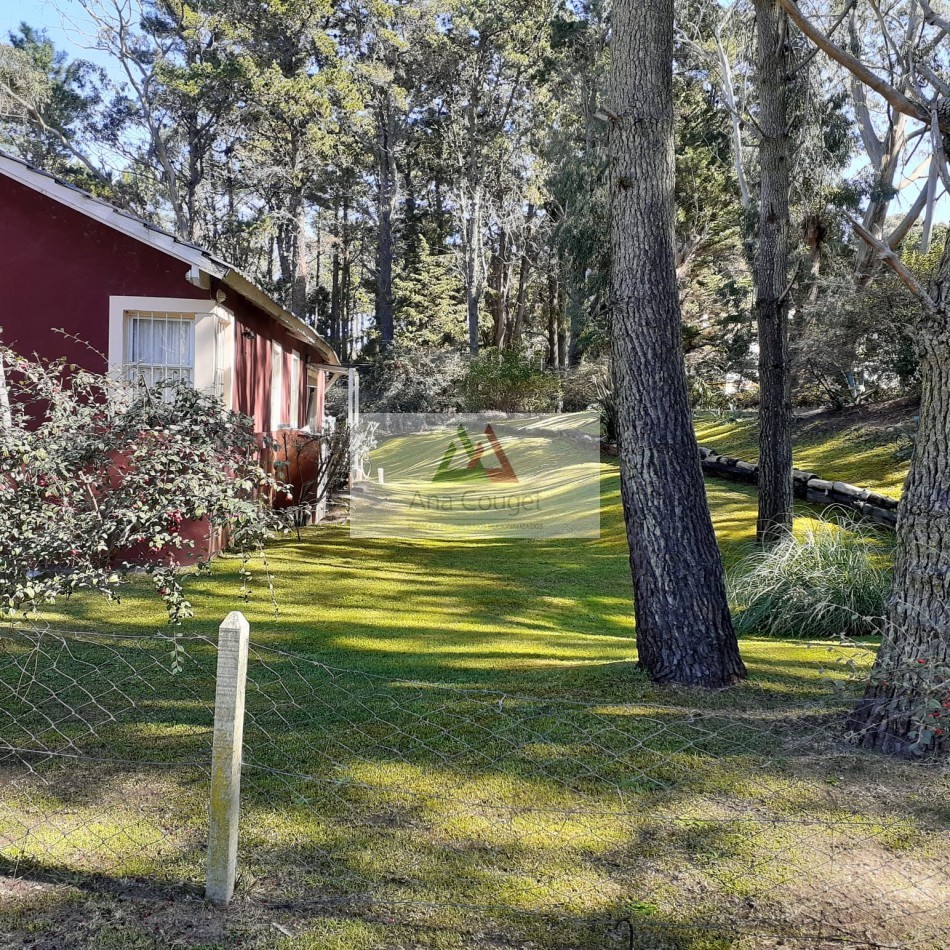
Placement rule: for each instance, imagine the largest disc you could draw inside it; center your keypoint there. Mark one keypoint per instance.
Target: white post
(225, 807)
(349, 425)
(5, 417)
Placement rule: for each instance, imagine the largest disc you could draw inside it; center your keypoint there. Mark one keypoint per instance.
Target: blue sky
(64, 20)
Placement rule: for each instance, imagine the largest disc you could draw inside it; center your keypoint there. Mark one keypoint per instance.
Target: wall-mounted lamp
(248, 334)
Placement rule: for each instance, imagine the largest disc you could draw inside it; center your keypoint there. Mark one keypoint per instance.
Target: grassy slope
(540, 616)
(854, 447)
(395, 773)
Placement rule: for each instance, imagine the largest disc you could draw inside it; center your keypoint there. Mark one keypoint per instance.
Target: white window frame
(313, 388)
(296, 382)
(213, 344)
(311, 421)
(276, 386)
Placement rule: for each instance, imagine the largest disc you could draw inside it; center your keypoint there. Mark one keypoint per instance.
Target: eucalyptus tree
(292, 82)
(395, 73)
(576, 190)
(909, 688)
(491, 50)
(684, 630)
(140, 114)
(194, 84)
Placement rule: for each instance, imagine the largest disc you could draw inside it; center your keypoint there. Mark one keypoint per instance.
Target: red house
(152, 304)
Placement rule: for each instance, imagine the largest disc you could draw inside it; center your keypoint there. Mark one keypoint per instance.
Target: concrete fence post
(225, 809)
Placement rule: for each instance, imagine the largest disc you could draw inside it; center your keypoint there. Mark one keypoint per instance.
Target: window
(173, 338)
(312, 408)
(276, 386)
(160, 346)
(295, 389)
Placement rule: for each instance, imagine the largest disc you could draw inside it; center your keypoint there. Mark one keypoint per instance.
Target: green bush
(509, 381)
(590, 387)
(413, 379)
(580, 386)
(832, 581)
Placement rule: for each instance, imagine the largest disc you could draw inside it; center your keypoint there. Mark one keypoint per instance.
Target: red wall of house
(58, 269)
(254, 332)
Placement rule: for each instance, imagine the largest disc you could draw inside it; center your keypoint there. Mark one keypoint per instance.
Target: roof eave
(239, 283)
(200, 260)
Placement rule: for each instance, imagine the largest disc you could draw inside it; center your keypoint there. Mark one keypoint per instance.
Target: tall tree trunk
(684, 631)
(411, 225)
(524, 269)
(473, 250)
(521, 305)
(385, 206)
(552, 317)
(335, 309)
(910, 682)
(346, 331)
(577, 315)
(500, 290)
(563, 343)
(299, 291)
(771, 277)
(889, 161)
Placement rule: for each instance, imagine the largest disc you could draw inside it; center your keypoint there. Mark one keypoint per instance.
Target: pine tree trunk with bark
(299, 295)
(684, 631)
(906, 707)
(385, 211)
(771, 277)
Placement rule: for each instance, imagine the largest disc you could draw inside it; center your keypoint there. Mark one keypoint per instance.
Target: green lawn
(857, 448)
(458, 730)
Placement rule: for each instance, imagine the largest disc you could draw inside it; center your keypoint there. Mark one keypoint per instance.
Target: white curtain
(161, 347)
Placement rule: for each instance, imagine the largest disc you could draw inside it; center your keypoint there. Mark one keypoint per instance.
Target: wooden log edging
(808, 486)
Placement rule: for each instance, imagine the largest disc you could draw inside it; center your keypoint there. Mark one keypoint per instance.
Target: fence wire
(105, 745)
(488, 809)
(670, 819)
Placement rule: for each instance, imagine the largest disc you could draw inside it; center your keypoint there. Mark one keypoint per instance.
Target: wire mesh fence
(104, 754)
(512, 814)
(658, 819)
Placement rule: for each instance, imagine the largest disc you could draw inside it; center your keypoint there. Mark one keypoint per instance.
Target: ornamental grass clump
(829, 581)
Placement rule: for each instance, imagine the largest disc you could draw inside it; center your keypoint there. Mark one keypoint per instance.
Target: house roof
(202, 261)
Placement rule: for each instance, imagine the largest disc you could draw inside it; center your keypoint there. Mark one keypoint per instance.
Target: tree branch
(37, 117)
(938, 153)
(894, 97)
(932, 17)
(831, 32)
(896, 236)
(887, 255)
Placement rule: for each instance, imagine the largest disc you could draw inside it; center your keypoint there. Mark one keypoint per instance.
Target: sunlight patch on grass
(836, 451)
